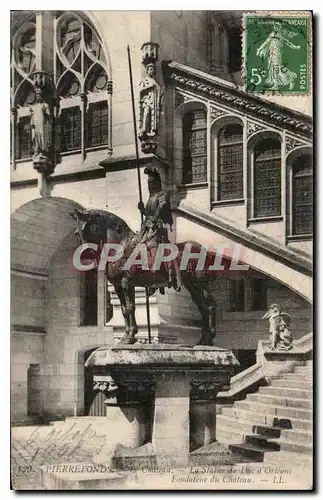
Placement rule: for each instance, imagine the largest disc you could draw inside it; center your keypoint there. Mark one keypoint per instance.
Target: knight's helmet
(153, 175)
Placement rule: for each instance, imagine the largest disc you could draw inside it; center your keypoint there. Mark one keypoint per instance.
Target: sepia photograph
(161, 192)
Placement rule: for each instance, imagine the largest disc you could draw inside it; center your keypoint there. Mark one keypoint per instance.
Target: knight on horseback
(158, 217)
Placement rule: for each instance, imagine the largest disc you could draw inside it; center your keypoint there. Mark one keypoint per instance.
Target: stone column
(203, 418)
(203, 413)
(171, 419)
(124, 409)
(44, 43)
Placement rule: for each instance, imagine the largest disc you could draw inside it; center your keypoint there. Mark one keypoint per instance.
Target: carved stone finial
(150, 100)
(149, 52)
(280, 335)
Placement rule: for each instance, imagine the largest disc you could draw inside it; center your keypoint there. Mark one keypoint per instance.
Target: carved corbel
(206, 390)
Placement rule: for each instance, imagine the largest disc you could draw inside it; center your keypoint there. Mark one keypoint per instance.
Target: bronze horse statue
(101, 227)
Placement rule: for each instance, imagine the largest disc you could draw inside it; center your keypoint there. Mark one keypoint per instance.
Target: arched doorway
(38, 229)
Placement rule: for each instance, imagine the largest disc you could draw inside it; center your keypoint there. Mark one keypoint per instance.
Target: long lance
(138, 175)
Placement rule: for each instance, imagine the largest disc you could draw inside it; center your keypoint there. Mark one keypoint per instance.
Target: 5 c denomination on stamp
(277, 54)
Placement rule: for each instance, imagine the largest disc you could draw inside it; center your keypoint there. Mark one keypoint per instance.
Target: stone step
(261, 441)
(226, 435)
(297, 377)
(304, 369)
(256, 450)
(279, 411)
(280, 401)
(247, 450)
(293, 384)
(288, 435)
(243, 428)
(291, 392)
(265, 418)
(277, 444)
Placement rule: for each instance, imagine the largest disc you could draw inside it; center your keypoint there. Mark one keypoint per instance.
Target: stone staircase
(276, 418)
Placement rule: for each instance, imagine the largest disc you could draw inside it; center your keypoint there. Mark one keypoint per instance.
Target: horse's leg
(121, 296)
(129, 294)
(132, 308)
(202, 297)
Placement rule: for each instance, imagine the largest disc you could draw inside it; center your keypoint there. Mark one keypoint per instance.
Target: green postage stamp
(277, 55)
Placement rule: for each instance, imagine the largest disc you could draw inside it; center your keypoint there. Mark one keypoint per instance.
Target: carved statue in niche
(42, 118)
(150, 100)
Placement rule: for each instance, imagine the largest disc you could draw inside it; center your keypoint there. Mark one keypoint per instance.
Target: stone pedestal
(275, 363)
(164, 395)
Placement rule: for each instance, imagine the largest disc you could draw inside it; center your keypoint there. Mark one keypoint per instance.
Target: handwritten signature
(59, 442)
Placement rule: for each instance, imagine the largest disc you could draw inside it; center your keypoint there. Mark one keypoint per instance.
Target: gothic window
(302, 189)
(23, 96)
(71, 129)
(267, 178)
(236, 295)
(24, 144)
(97, 124)
(79, 66)
(230, 162)
(82, 82)
(194, 147)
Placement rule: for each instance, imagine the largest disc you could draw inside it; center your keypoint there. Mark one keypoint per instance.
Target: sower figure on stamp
(158, 216)
(272, 49)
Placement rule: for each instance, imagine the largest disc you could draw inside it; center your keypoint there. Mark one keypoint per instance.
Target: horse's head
(99, 226)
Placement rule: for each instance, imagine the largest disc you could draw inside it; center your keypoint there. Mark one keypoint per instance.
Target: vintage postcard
(161, 250)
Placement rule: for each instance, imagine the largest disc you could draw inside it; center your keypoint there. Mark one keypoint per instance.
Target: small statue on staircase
(280, 334)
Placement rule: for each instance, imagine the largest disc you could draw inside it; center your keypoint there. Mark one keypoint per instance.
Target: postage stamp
(277, 54)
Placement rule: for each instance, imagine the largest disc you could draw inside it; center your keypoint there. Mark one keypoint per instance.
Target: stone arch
(251, 144)
(216, 126)
(181, 110)
(37, 229)
(301, 283)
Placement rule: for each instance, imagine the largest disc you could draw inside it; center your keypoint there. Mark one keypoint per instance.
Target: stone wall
(26, 348)
(66, 341)
(27, 301)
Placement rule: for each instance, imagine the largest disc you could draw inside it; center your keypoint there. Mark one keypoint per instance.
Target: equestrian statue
(101, 227)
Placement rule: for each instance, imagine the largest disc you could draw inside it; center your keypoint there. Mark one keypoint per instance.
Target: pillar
(171, 419)
(202, 423)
